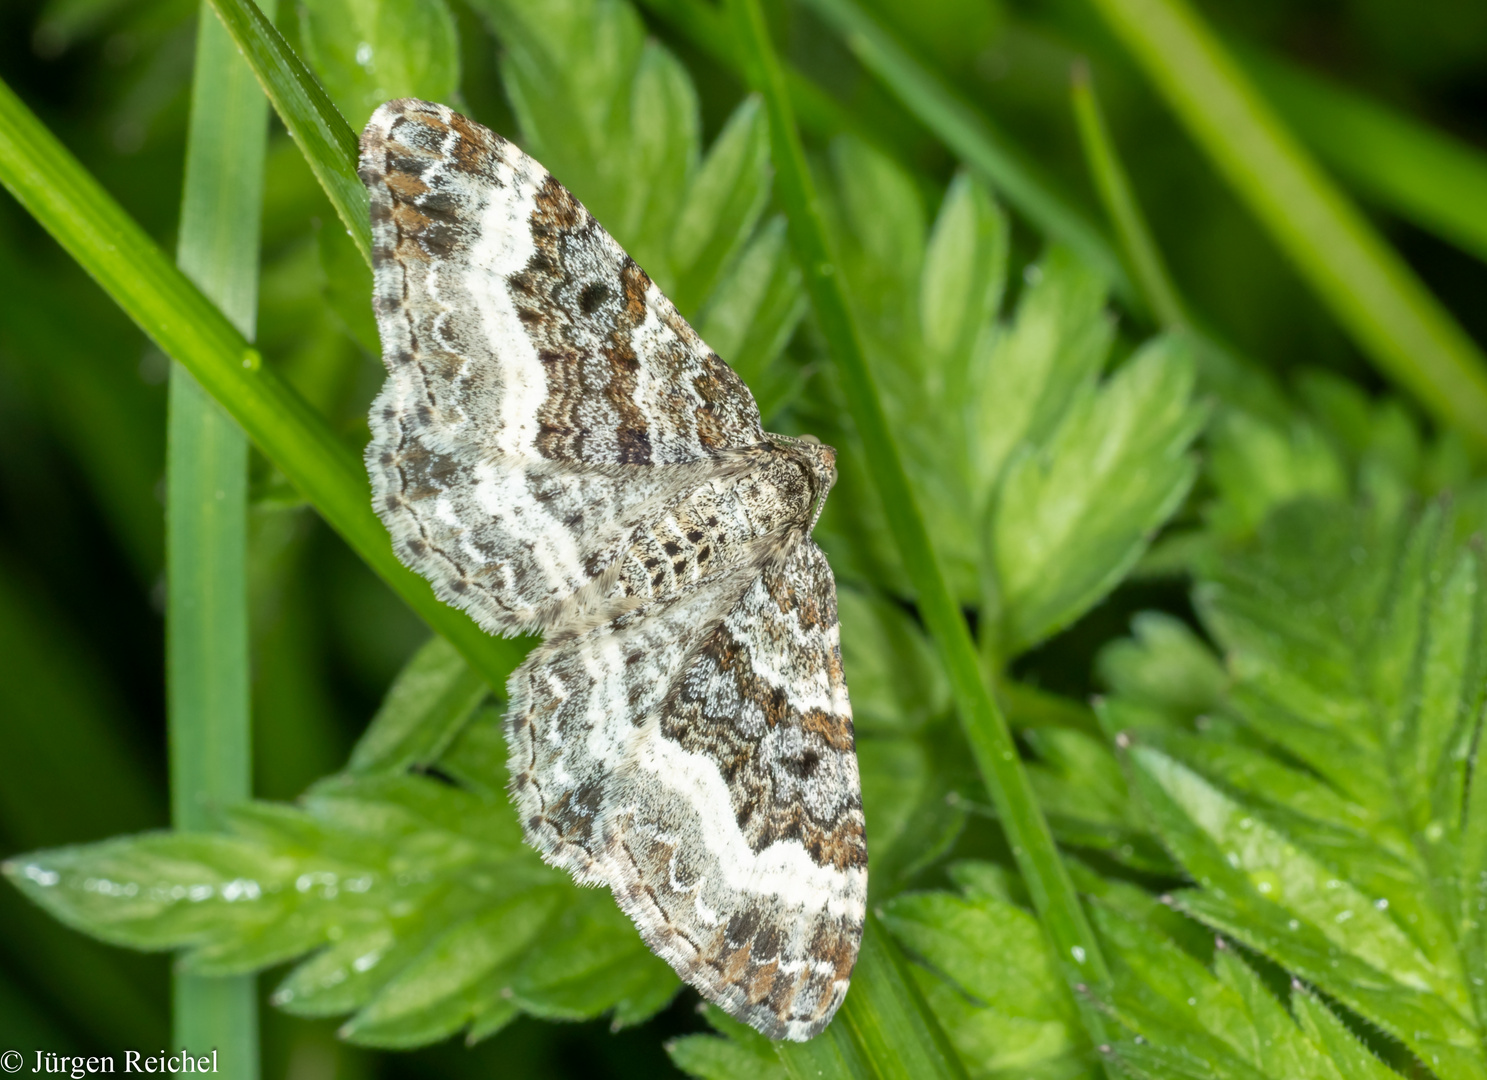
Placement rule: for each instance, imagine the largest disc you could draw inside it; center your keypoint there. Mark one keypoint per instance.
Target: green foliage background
(1262, 557)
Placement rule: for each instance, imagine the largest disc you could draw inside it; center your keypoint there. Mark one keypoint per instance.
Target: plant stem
(1124, 212)
(1372, 292)
(206, 620)
(986, 730)
(110, 246)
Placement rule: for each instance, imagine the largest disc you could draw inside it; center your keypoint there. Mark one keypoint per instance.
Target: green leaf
(960, 290)
(1324, 1028)
(1165, 666)
(913, 809)
(1072, 517)
(721, 206)
(441, 989)
(370, 51)
(881, 236)
(595, 960)
(418, 905)
(347, 285)
(426, 707)
(988, 974)
(1079, 783)
(898, 684)
(1015, 416)
(741, 1054)
(752, 314)
(1204, 1020)
(1326, 832)
(1056, 344)
(1257, 467)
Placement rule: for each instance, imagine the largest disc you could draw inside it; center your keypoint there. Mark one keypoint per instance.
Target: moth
(556, 450)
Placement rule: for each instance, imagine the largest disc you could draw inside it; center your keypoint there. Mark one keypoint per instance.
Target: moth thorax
(781, 494)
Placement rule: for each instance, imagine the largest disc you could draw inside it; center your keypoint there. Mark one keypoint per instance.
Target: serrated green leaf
(429, 911)
(1351, 1057)
(988, 948)
(1225, 1017)
(1257, 466)
(1259, 777)
(341, 976)
(721, 206)
(881, 239)
(1276, 1045)
(427, 705)
(912, 809)
(665, 136)
(616, 120)
(159, 890)
(1080, 784)
(960, 290)
(1073, 516)
(1174, 1054)
(708, 1057)
(752, 313)
(592, 960)
(1163, 665)
(740, 1054)
(1433, 1030)
(370, 51)
(991, 981)
(1056, 342)
(1270, 867)
(437, 992)
(569, 72)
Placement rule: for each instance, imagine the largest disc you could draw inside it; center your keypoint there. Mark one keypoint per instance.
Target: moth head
(819, 462)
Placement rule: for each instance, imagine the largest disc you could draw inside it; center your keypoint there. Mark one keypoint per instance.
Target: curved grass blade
(71, 205)
(1120, 204)
(1422, 174)
(1408, 334)
(322, 134)
(985, 727)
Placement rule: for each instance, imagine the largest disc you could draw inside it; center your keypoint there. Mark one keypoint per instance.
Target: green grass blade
(1120, 203)
(1424, 175)
(206, 536)
(972, 138)
(323, 136)
(95, 230)
(1370, 289)
(986, 729)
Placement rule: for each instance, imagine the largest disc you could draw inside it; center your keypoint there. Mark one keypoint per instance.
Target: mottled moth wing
(513, 330)
(556, 449)
(697, 756)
